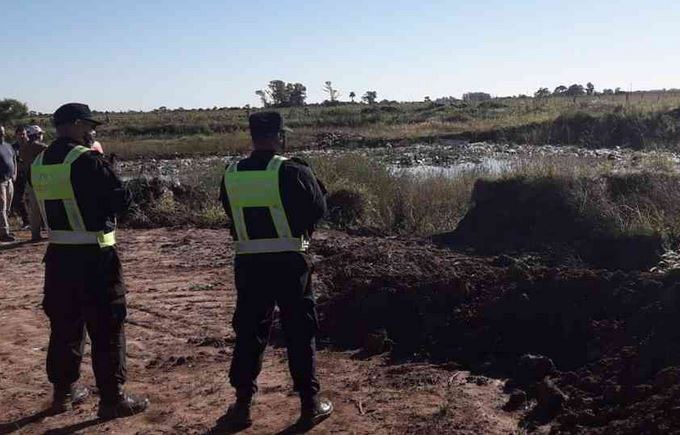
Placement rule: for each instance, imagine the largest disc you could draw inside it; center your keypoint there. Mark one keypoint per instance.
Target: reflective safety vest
(52, 182)
(260, 189)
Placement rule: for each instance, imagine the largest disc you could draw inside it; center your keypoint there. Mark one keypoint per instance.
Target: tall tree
(12, 110)
(352, 95)
(590, 88)
(560, 90)
(263, 97)
(370, 97)
(575, 90)
(298, 94)
(542, 93)
(333, 94)
(278, 92)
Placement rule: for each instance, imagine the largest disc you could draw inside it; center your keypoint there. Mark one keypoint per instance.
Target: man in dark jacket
(18, 205)
(274, 204)
(79, 197)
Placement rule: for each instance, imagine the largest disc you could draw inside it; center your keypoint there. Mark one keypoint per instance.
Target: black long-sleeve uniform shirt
(302, 194)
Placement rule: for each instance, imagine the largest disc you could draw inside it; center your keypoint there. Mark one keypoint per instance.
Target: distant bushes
(625, 128)
(173, 129)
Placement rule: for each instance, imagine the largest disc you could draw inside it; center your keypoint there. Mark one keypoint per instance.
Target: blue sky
(119, 55)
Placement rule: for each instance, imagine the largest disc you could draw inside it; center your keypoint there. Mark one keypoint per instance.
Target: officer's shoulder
(299, 164)
(95, 159)
(297, 161)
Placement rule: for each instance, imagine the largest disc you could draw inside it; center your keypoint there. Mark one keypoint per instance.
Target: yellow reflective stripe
(280, 221)
(236, 211)
(76, 152)
(275, 163)
(240, 224)
(263, 246)
(82, 238)
(106, 239)
(276, 210)
(75, 219)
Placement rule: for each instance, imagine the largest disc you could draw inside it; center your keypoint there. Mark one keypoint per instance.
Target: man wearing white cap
(27, 154)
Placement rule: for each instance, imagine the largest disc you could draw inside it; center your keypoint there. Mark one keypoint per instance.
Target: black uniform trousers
(264, 281)
(18, 205)
(84, 290)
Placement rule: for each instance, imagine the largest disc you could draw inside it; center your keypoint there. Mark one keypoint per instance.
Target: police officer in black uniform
(272, 267)
(84, 288)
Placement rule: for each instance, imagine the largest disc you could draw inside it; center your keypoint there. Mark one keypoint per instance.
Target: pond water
(448, 158)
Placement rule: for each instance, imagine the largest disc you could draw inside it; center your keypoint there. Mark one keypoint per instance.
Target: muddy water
(449, 158)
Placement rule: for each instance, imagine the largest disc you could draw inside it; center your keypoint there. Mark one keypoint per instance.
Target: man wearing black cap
(79, 197)
(274, 204)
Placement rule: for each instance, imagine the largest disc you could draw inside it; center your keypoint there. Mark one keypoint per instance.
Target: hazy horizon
(125, 56)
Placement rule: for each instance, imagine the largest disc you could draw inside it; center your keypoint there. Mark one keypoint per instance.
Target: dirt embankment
(616, 221)
(606, 342)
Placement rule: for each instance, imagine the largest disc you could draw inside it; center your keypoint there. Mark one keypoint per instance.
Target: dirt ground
(181, 299)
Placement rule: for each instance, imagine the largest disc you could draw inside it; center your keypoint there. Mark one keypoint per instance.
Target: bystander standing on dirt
(27, 154)
(79, 195)
(20, 137)
(274, 204)
(8, 173)
(18, 204)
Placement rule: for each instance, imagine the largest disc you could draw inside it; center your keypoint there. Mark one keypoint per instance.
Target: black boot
(65, 397)
(313, 411)
(121, 404)
(237, 416)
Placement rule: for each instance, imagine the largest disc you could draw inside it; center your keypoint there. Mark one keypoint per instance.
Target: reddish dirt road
(181, 299)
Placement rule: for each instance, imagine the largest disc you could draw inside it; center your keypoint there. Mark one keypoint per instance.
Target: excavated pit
(613, 336)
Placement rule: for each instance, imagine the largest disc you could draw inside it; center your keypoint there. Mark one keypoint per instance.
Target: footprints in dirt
(219, 349)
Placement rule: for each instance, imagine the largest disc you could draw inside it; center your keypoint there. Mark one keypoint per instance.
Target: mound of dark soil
(605, 345)
(160, 203)
(577, 216)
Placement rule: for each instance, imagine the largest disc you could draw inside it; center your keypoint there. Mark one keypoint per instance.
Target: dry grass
(396, 201)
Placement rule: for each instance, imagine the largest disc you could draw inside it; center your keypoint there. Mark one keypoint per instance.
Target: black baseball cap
(70, 112)
(266, 123)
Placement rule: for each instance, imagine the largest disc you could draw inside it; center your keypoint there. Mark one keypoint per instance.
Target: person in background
(27, 154)
(20, 137)
(8, 173)
(18, 205)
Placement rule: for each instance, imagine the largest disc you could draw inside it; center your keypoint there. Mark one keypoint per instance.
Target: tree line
(575, 90)
(282, 94)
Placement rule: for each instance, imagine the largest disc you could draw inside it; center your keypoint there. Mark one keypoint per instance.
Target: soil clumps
(586, 351)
